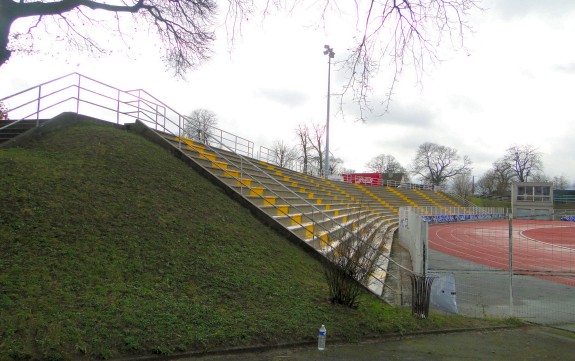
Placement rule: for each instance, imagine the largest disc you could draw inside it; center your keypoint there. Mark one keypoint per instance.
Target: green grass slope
(111, 247)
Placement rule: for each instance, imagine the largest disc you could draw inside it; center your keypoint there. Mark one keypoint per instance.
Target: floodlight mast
(329, 52)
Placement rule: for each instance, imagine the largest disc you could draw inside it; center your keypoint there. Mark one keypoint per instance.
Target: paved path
(526, 343)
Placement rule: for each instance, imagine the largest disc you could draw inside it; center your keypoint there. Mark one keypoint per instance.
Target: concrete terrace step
(312, 208)
(246, 170)
(308, 229)
(298, 218)
(12, 128)
(370, 229)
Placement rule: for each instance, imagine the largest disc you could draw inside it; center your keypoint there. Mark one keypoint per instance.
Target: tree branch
(407, 33)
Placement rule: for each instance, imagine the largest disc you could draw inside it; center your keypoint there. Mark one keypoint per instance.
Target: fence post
(424, 244)
(511, 311)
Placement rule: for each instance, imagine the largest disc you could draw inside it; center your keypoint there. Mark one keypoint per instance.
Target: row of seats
(321, 212)
(310, 207)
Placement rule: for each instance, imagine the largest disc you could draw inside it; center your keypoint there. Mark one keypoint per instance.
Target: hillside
(110, 246)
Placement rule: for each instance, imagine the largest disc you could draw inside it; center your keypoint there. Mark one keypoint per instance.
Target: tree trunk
(5, 24)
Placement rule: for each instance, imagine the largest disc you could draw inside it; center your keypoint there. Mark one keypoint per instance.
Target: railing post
(38, 106)
(139, 100)
(78, 97)
(118, 108)
(156, 116)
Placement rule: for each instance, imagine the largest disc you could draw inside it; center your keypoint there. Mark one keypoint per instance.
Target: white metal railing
(270, 156)
(459, 211)
(83, 95)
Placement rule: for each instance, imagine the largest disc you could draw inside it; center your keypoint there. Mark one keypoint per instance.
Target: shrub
(350, 264)
(3, 111)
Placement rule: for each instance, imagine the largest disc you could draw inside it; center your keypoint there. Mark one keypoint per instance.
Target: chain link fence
(500, 265)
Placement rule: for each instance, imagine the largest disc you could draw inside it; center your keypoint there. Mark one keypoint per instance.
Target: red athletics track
(539, 247)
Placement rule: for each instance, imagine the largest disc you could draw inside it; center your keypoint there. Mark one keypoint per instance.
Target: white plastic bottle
(321, 338)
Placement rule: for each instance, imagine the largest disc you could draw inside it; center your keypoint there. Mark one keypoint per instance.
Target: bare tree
(437, 163)
(316, 141)
(184, 27)
(302, 132)
(335, 165)
(462, 185)
(487, 184)
(199, 125)
(540, 177)
(407, 34)
(386, 164)
(503, 173)
(497, 180)
(525, 160)
(560, 182)
(284, 155)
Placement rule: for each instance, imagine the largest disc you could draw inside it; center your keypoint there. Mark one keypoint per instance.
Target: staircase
(10, 129)
(313, 209)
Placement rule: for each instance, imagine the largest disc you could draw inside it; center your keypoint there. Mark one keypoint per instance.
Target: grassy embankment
(109, 247)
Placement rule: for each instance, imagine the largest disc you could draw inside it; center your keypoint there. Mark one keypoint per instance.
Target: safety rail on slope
(340, 228)
(463, 201)
(273, 157)
(83, 95)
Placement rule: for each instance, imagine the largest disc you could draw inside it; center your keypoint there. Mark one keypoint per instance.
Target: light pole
(329, 52)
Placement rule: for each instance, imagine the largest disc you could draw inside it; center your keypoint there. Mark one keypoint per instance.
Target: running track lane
(539, 247)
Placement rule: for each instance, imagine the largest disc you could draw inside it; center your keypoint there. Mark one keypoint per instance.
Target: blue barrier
(445, 218)
(568, 218)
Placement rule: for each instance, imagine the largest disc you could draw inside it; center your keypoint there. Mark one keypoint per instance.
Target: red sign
(368, 179)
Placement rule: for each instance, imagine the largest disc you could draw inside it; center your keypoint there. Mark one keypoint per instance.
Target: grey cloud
(558, 159)
(412, 115)
(289, 98)
(568, 68)
(466, 103)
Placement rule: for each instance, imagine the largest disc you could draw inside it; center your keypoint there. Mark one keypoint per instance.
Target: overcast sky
(514, 84)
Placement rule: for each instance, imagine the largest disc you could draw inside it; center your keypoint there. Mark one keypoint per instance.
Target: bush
(349, 265)
(3, 111)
